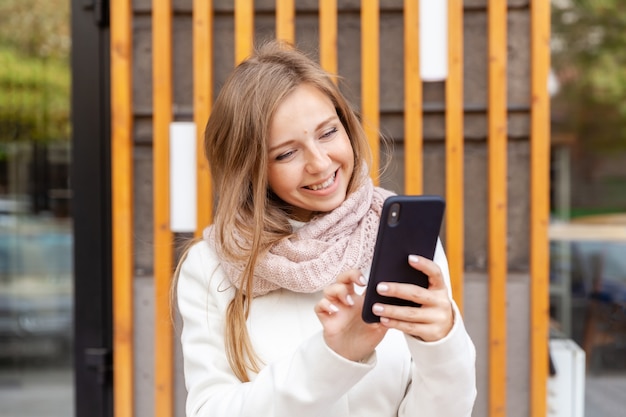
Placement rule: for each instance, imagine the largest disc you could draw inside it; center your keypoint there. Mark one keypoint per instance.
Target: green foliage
(589, 58)
(34, 70)
(36, 27)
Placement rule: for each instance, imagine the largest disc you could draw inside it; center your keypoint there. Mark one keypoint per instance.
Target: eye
(285, 155)
(329, 133)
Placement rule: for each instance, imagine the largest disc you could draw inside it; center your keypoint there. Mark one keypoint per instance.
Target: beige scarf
(321, 249)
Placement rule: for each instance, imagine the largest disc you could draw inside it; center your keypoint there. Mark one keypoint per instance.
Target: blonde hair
(236, 148)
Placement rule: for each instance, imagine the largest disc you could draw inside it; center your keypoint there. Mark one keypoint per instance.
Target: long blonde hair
(236, 148)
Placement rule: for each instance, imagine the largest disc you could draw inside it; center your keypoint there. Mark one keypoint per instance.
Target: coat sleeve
(444, 372)
(288, 387)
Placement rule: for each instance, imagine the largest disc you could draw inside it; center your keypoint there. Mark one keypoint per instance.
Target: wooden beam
(539, 206)
(244, 29)
(122, 205)
(370, 79)
(413, 114)
(455, 151)
(497, 205)
(163, 242)
(202, 99)
(328, 35)
(285, 20)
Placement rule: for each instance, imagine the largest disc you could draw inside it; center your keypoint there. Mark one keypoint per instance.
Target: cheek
(272, 175)
(348, 152)
(281, 178)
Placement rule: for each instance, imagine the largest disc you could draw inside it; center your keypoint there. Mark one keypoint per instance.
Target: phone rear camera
(394, 214)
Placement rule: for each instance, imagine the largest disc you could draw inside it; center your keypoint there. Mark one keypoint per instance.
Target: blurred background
(588, 231)
(35, 216)
(588, 201)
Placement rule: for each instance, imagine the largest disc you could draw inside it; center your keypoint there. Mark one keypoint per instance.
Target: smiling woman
(271, 317)
(310, 159)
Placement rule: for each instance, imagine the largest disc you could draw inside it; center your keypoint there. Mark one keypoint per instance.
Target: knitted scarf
(321, 249)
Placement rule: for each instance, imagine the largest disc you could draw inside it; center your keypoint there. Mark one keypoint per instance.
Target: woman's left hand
(430, 322)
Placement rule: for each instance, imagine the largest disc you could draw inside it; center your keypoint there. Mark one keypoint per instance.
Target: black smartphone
(409, 225)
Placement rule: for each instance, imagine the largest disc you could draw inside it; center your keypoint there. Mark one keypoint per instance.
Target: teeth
(323, 185)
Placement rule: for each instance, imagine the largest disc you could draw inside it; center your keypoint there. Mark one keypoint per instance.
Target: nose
(317, 158)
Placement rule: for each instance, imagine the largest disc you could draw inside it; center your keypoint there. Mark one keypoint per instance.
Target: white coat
(301, 375)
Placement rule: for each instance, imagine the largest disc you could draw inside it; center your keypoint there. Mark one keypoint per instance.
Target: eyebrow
(319, 126)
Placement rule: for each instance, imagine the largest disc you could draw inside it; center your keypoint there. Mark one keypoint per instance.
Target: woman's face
(310, 156)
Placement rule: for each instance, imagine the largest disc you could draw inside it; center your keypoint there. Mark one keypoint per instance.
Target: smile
(323, 185)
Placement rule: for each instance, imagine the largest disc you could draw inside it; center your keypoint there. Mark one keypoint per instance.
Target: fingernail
(414, 259)
(377, 308)
(333, 308)
(349, 300)
(382, 288)
(362, 280)
(384, 320)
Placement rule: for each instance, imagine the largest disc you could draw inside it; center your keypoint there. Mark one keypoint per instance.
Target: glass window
(36, 294)
(588, 230)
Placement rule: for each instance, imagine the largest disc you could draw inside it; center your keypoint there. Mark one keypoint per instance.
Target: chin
(331, 207)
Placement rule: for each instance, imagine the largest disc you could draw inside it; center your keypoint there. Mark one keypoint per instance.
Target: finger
(352, 276)
(325, 306)
(425, 331)
(430, 323)
(343, 290)
(429, 315)
(343, 293)
(412, 292)
(431, 269)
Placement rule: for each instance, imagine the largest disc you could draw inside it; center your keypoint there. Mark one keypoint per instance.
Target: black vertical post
(91, 194)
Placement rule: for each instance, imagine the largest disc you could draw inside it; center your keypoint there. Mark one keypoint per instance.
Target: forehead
(304, 102)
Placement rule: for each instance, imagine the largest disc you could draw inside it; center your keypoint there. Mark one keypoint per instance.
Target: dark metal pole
(91, 185)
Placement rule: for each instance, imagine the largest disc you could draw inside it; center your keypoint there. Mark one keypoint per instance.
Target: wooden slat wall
(370, 78)
(163, 253)
(413, 129)
(497, 204)
(122, 206)
(328, 35)
(455, 214)
(202, 99)
(122, 166)
(540, 204)
(244, 29)
(285, 20)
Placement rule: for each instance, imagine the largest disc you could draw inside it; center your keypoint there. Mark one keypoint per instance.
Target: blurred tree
(589, 60)
(34, 70)
(36, 27)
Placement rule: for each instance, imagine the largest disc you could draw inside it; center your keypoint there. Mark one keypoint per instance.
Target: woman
(271, 297)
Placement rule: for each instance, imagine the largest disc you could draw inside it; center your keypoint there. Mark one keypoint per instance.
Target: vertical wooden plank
(328, 35)
(540, 205)
(497, 205)
(455, 150)
(285, 20)
(122, 206)
(163, 254)
(202, 99)
(370, 52)
(244, 29)
(413, 117)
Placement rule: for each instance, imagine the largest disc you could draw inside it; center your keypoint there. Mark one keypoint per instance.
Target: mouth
(323, 185)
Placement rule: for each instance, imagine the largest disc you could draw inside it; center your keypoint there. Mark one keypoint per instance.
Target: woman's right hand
(339, 311)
